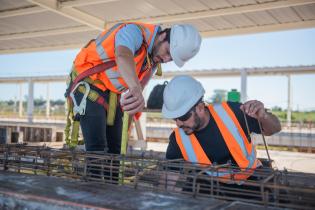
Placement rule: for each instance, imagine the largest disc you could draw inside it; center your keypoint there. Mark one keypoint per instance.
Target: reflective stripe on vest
(99, 48)
(102, 50)
(193, 152)
(231, 130)
(113, 77)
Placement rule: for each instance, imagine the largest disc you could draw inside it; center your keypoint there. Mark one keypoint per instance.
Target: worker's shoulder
(235, 106)
(172, 136)
(131, 28)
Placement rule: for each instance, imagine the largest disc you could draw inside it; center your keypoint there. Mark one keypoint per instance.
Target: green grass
(296, 116)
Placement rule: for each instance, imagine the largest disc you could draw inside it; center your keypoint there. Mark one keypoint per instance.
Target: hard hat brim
(172, 114)
(175, 58)
(179, 62)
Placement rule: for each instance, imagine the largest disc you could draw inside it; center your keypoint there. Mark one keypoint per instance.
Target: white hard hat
(180, 95)
(185, 43)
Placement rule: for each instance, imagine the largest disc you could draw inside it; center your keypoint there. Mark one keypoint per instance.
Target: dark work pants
(98, 136)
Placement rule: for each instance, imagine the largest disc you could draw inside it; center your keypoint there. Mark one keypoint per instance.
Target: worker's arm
(270, 123)
(133, 101)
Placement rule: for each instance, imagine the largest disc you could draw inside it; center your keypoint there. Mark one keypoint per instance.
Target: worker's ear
(200, 107)
(162, 36)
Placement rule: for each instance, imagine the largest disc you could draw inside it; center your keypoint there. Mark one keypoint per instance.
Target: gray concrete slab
(21, 191)
(24, 191)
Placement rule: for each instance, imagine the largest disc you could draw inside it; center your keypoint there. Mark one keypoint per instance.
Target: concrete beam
(289, 101)
(19, 79)
(22, 11)
(79, 3)
(243, 86)
(30, 101)
(47, 100)
(50, 32)
(46, 48)
(260, 29)
(21, 100)
(264, 71)
(221, 12)
(72, 13)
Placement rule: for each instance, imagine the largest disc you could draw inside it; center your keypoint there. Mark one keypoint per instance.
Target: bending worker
(123, 57)
(216, 133)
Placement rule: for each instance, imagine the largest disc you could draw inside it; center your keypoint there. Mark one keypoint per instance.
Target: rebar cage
(149, 170)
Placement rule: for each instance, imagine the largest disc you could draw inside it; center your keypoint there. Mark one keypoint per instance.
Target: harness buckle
(80, 109)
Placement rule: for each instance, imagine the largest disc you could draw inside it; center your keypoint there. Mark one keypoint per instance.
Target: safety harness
(82, 84)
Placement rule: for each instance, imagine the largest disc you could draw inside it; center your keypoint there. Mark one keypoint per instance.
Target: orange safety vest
(102, 49)
(240, 148)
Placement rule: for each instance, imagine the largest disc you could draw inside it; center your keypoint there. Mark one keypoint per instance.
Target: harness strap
(94, 70)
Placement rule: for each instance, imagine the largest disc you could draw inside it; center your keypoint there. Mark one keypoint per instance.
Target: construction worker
(216, 133)
(122, 58)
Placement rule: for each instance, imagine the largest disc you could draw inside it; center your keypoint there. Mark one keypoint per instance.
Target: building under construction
(36, 175)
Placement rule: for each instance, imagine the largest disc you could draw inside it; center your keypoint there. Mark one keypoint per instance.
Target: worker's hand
(254, 109)
(132, 101)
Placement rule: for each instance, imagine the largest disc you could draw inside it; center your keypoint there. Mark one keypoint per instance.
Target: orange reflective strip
(200, 154)
(231, 143)
(239, 127)
(180, 144)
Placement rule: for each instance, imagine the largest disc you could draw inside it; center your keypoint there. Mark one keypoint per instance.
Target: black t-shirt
(211, 140)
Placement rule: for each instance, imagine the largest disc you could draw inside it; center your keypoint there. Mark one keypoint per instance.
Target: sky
(285, 48)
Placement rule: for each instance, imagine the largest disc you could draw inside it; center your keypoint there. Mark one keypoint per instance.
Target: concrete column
(21, 100)
(47, 101)
(143, 119)
(243, 85)
(289, 102)
(30, 101)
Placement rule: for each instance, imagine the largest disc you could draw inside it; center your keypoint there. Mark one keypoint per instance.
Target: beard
(196, 126)
(155, 54)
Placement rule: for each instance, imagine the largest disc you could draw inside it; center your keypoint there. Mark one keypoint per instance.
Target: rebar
(149, 170)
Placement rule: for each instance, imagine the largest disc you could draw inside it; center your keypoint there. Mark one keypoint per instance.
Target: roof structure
(39, 25)
(261, 71)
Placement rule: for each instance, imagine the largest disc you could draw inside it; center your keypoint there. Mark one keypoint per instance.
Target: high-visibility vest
(102, 49)
(241, 149)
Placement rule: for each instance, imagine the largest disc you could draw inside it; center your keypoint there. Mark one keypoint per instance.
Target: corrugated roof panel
(191, 6)
(216, 4)
(148, 9)
(264, 1)
(35, 22)
(167, 6)
(109, 12)
(239, 20)
(218, 23)
(242, 2)
(200, 24)
(58, 40)
(261, 18)
(13, 4)
(285, 15)
(307, 12)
